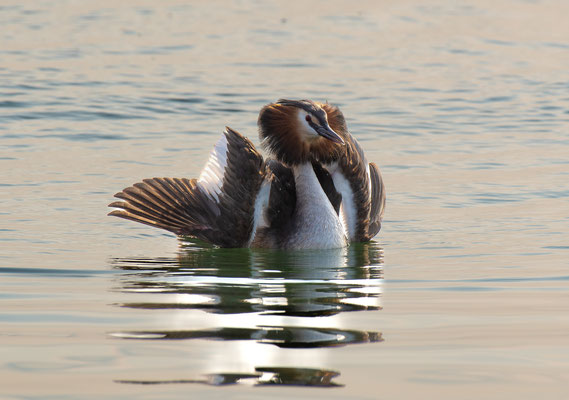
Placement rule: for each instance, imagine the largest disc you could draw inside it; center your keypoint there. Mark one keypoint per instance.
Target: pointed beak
(328, 133)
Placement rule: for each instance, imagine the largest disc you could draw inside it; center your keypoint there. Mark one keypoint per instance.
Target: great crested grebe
(315, 191)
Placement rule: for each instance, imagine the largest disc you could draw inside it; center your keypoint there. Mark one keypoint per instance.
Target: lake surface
(464, 294)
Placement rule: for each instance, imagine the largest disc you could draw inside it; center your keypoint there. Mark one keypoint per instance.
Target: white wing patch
(211, 177)
(348, 211)
(261, 203)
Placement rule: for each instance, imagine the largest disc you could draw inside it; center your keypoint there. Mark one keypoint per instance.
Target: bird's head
(299, 131)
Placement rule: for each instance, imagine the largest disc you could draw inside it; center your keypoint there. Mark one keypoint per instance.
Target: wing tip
(378, 201)
(117, 204)
(115, 213)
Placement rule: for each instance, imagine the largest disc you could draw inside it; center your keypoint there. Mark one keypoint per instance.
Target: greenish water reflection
(302, 283)
(302, 286)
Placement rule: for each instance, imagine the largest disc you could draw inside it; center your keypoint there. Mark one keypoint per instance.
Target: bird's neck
(316, 223)
(307, 185)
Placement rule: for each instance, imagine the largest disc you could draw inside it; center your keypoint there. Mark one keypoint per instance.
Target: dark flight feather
(377, 201)
(186, 207)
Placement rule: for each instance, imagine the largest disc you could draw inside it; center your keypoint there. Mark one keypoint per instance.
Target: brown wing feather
(354, 168)
(185, 207)
(154, 202)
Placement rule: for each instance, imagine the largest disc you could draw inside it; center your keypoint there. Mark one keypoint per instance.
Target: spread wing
(218, 207)
(362, 191)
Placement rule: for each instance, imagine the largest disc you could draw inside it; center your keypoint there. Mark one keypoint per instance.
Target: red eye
(308, 118)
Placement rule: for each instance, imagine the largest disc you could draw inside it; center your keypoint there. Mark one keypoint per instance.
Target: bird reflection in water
(264, 376)
(277, 293)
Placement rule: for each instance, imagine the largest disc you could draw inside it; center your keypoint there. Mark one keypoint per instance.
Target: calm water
(463, 295)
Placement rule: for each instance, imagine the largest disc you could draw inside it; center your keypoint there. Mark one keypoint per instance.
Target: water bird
(315, 190)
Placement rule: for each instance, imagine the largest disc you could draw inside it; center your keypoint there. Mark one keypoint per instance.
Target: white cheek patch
(305, 129)
(211, 177)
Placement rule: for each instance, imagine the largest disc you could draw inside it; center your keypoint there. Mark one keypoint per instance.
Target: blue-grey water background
(463, 294)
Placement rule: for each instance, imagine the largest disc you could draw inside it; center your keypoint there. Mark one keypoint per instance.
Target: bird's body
(313, 224)
(315, 191)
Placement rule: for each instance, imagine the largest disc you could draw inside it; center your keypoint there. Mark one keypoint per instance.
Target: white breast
(316, 224)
